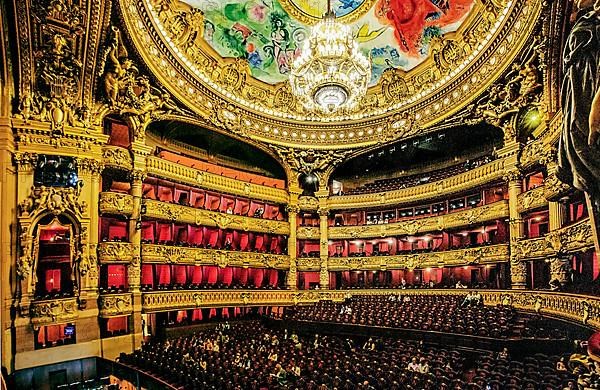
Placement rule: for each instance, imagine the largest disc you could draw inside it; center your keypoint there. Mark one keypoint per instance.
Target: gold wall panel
(53, 311)
(112, 305)
(178, 213)
(184, 255)
(465, 181)
(210, 181)
(532, 199)
(115, 203)
(480, 214)
(117, 157)
(109, 252)
(481, 255)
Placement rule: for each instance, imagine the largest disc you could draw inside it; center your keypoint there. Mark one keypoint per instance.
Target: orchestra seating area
(399, 183)
(439, 313)
(248, 355)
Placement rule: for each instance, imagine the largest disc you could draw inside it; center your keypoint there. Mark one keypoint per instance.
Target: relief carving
(56, 200)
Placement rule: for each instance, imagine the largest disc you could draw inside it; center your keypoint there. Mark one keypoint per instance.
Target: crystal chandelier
(331, 74)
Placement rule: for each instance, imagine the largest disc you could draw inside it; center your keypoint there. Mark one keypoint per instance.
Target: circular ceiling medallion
(311, 11)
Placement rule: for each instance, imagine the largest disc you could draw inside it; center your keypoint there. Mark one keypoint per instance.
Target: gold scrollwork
(53, 311)
(115, 203)
(222, 258)
(54, 200)
(115, 252)
(115, 305)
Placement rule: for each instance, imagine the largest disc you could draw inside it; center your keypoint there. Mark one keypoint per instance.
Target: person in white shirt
(414, 365)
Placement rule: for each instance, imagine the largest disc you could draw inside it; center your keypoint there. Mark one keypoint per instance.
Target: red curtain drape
(147, 274)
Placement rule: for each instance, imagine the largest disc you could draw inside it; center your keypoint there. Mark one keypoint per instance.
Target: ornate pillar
(323, 247)
(89, 172)
(8, 216)
(135, 233)
(518, 271)
(292, 250)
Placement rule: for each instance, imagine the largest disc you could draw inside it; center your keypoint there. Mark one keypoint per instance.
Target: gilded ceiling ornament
(130, 94)
(196, 71)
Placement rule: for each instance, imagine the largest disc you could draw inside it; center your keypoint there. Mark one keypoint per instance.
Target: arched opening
(53, 251)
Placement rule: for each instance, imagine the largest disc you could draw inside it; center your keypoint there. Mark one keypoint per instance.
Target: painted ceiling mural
(394, 33)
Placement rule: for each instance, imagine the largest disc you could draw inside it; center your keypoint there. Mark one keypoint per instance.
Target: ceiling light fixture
(331, 74)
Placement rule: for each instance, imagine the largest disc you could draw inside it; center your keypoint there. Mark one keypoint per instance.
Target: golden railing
(53, 311)
(569, 239)
(115, 203)
(468, 180)
(111, 305)
(480, 214)
(461, 257)
(178, 213)
(532, 199)
(575, 308)
(180, 173)
(152, 253)
(116, 157)
(109, 252)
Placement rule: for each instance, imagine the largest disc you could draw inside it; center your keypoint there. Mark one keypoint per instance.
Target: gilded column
(323, 247)
(518, 270)
(292, 275)
(89, 173)
(8, 199)
(135, 233)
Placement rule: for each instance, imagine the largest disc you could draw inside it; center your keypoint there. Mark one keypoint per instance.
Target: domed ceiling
(229, 61)
(270, 34)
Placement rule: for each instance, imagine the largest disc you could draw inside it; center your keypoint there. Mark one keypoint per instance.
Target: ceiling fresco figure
(579, 152)
(416, 21)
(393, 33)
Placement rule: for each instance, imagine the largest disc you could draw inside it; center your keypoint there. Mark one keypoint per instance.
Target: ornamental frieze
(222, 258)
(116, 157)
(462, 257)
(115, 252)
(174, 212)
(480, 214)
(173, 171)
(532, 199)
(115, 305)
(115, 203)
(53, 311)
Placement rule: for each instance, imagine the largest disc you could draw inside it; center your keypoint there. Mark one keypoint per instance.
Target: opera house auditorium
(300, 194)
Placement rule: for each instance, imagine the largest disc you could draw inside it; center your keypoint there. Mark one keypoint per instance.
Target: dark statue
(579, 150)
(579, 157)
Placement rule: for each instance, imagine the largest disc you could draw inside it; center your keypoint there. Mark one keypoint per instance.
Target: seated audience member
(460, 285)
